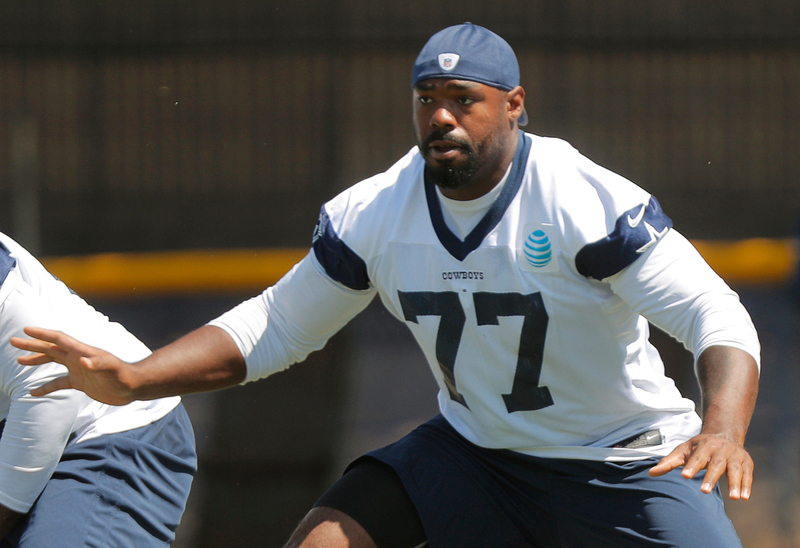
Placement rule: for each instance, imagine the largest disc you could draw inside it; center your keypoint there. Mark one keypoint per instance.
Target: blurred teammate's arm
(35, 430)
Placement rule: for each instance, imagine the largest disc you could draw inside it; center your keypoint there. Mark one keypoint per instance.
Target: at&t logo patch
(538, 250)
(537, 253)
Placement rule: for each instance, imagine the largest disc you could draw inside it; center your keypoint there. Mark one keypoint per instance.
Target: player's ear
(515, 103)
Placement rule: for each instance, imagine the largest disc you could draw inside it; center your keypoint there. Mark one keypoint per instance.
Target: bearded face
(453, 162)
(465, 133)
(450, 173)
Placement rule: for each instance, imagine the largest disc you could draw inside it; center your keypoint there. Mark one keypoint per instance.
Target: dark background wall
(177, 124)
(172, 124)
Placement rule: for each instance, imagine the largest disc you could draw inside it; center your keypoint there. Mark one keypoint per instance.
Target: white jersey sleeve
(674, 288)
(313, 301)
(291, 319)
(36, 429)
(653, 268)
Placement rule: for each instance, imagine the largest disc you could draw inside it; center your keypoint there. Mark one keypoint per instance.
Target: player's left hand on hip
(717, 455)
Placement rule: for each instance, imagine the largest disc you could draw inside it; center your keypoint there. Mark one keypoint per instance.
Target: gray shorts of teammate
(125, 490)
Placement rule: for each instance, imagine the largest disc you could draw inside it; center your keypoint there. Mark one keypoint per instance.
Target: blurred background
(168, 158)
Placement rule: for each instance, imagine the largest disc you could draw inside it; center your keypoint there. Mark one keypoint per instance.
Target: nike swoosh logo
(633, 222)
(654, 237)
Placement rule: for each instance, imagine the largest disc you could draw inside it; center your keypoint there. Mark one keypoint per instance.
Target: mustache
(444, 136)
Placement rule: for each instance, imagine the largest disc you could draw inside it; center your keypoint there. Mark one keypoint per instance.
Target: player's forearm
(729, 384)
(206, 359)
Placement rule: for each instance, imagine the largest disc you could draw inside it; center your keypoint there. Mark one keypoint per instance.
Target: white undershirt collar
(461, 216)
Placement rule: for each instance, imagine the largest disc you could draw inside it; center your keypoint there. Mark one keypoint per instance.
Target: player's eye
(425, 100)
(466, 100)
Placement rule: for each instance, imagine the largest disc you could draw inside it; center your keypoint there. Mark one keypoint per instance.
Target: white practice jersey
(533, 324)
(37, 430)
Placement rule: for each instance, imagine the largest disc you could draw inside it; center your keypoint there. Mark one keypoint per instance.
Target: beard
(449, 176)
(446, 174)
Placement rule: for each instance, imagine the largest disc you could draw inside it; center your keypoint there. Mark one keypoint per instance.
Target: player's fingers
(670, 462)
(734, 473)
(48, 335)
(59, 383)
(716, 467)
(41, 348)
(696, 461)
(31, 345)
(740, 475)
(747, 479)
(34, 359)
(57, 339)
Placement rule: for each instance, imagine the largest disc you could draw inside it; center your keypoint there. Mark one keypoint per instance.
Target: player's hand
(718, 455)
(101, 375)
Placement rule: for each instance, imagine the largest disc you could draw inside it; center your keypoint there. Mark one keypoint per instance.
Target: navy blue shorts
(472, 497)
(125, 490)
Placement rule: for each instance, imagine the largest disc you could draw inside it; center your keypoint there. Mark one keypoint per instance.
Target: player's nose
(443, 119)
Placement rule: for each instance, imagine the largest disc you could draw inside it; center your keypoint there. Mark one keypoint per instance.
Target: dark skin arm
(205, 359)
(8, 519)
(729, 383)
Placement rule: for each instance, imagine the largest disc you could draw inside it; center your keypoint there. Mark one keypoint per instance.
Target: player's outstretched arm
(729, 383)
(205, 359)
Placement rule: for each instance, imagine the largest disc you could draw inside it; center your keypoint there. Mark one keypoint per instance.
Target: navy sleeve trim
(7, 262)
(636, 231)
(339, 261)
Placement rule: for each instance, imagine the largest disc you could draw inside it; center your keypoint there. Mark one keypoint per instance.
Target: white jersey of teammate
(37, 430)
(534, 322)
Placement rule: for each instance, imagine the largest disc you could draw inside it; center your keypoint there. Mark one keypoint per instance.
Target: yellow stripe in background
(752, 261)
(132, 275)
(173, 272)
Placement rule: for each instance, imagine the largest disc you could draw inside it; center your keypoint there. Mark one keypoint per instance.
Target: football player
(527, 274)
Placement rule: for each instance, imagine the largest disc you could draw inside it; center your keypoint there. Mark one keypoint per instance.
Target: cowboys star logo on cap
(448, 61)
